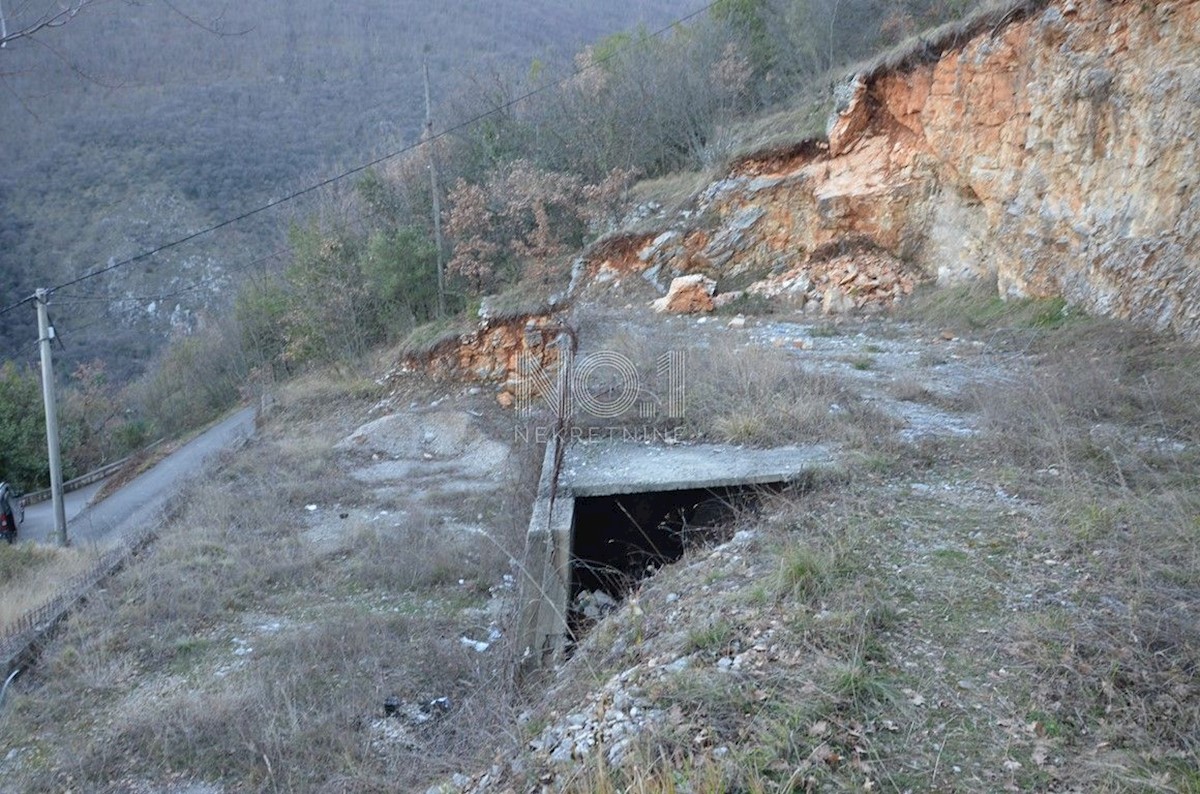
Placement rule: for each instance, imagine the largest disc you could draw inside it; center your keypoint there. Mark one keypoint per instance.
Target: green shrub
(22, 429)
(197, 377)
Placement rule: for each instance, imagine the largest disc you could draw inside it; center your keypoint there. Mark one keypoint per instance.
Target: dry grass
(1014, 610)
(529, 297)
(977, 306)
(239, 653)
(674, 192)
(906, 652)
(790, 128)
(764, 397)
(31, 574)
(314, 396)
(928, 46)
(1104, 430)
(427, 340)
(737, 393)
(748, 728)
(652, 775)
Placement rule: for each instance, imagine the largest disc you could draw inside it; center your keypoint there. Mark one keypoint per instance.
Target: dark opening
(620, 540)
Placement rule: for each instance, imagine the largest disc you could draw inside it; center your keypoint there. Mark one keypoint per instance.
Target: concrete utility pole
(45, 338)
(427, 136)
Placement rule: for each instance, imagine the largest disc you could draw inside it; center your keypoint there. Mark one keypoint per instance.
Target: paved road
(39, 518)
(141, 500)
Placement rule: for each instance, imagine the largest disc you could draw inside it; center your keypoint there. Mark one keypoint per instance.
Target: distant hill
(136, 123)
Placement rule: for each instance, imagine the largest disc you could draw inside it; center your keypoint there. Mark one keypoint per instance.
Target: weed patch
(31, 575)
(243, 653)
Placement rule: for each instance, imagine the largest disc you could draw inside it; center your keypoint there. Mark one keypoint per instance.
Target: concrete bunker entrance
(618, 540)
(621, 539)
(608, 515)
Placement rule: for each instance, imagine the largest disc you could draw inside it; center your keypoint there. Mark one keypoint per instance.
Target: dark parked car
(12, 513)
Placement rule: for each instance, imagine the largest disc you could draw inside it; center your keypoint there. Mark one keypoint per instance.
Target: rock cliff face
(1055, 152)
(500, 351)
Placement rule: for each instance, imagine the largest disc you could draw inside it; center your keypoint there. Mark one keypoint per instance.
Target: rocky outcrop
(688, 295)
(1067, 146)
(1055, 151)
(862, 279)
(499, 351)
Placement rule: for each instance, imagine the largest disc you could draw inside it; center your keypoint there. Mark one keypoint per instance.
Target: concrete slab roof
(607, 468)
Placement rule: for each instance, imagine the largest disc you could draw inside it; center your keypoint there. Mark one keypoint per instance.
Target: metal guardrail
(34, 497)
(19, 640)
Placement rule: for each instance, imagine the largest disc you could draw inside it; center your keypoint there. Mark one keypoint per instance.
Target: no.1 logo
(624, 389)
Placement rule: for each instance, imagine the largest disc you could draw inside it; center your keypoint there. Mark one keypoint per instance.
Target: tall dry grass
(1102, 428)
(740, 393)
(236, 651)
(32, 574)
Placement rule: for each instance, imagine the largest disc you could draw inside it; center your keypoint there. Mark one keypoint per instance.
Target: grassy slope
(1014, 609)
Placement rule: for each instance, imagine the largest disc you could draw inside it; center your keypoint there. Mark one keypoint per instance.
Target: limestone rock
(504, 352)
(836, 302)
(858, 280)
(688, 295)
(1055, 155)
(726, 298)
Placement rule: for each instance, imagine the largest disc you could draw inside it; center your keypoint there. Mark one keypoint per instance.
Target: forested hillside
(137, 125)
(139, 122)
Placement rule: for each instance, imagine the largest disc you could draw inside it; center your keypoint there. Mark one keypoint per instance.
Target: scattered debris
(475, 645)
(859, 280)
(594, 604)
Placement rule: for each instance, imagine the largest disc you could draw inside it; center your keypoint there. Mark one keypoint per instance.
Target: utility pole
(832, 22)
(427, 137)
(45, 338)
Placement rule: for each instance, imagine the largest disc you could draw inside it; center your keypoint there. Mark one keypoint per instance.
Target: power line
(193, 287)
(81, 329)
(76, 299)
(363, 167)
(16, 305)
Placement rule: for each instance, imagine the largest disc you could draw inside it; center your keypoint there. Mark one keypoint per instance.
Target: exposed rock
(1055, 154)
(1069, 138)
(688, 295)
(657, 245)
(836, 302)
(843, 283)
(410, 436)
(726, 298)
(850, 121)
(414, 445)
(500, 352)
(594, 605)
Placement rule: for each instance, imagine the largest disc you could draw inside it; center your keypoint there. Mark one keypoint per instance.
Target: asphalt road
(142, 499)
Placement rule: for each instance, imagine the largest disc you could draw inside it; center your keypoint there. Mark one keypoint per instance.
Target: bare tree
(27, 21)
(31, 17)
